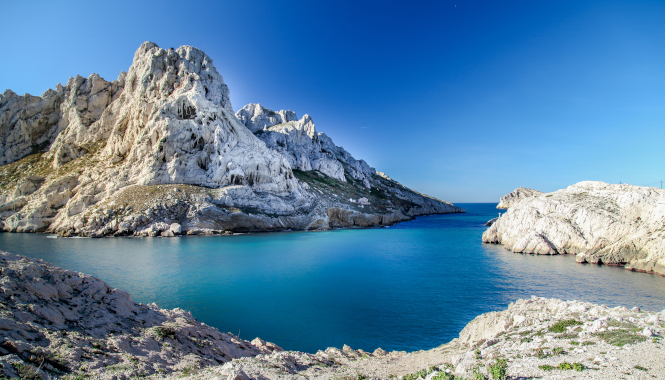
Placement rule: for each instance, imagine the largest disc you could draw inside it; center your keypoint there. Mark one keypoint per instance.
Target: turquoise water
(412, 286)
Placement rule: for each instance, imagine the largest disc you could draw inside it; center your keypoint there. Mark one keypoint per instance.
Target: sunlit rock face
(511, 199)
(298, 141)
(161, 146)
(30, 123)
(597, 221)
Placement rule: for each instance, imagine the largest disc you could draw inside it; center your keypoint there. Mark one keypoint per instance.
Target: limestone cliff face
(298, 141)
(30, 123)
(599, 222)
(511, 199)
(160, 151)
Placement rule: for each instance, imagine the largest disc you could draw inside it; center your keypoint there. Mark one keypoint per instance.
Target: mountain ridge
(159, 151)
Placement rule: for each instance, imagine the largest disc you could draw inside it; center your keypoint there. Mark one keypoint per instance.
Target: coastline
(598, 222)
(212, 232)
(525, 335)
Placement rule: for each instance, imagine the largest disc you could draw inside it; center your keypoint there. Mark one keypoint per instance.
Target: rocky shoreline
(56, 323)
(600, 223)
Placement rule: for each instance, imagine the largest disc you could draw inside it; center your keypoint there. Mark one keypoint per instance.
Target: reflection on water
(412, 286)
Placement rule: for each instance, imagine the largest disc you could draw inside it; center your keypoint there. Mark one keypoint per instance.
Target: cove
(412, 286)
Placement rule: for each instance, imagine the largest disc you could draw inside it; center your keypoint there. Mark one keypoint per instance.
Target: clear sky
(463, 100)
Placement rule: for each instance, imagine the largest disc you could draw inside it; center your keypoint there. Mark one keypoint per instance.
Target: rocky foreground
(599, 222)
(159, 151)
(56, 323)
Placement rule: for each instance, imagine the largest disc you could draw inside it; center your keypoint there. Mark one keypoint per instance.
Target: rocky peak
(29, 124)
(157, 73)
(257, 118)
(512, 198)
(115, 149)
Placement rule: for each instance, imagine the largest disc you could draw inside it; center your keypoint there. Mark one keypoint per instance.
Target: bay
(411, 286)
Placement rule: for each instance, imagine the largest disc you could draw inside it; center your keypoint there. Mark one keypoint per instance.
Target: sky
(463, 100)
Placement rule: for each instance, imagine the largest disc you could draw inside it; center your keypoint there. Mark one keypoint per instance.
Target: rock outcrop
(511, 199)
(161, 145)
(57, 322)
(597, 221)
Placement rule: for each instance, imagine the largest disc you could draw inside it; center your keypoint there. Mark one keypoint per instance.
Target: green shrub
(565, 366)
(164, 332)
(562, 326)
(478, 376)
(546, 367)
(498, 370)
(28, 371)
(621, 338)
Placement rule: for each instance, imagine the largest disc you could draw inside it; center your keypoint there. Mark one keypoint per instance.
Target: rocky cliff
(159, 151)
(511, 199)
(597, 221)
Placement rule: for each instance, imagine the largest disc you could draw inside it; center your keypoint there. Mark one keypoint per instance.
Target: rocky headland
(159, 151)
(56, 323)
(511, 199)
(601, 223)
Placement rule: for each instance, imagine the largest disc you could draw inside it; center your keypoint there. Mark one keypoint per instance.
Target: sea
(410, 286)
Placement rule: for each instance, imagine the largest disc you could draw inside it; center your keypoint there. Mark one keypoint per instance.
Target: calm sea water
(412, 286)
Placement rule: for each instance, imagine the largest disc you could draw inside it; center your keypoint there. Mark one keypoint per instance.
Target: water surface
(412, 286)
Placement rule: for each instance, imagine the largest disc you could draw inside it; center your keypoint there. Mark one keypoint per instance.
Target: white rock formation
(258, 118)
(29, 124)
(599, 222)
(511, 199)
(304, 148)
(118, 152)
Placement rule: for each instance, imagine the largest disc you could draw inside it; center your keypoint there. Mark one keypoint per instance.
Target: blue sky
(463, 100)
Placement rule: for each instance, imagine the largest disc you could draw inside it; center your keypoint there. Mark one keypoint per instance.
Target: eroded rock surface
(512, 198)
(597, 221)
(62, 322)
(161, 146)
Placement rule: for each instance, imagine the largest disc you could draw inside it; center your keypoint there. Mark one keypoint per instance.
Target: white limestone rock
(299, 142)
(29, 124)
(119, 153)
(597, 221)
(511, 199)
(258, 118)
